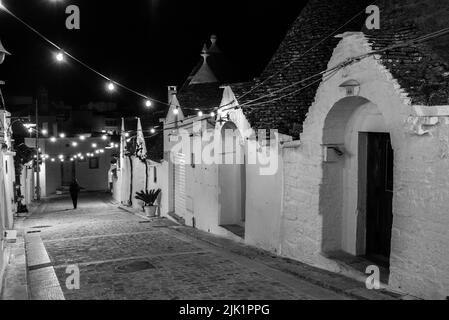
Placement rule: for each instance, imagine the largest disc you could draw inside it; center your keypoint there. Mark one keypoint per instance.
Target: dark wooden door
(380, 198)
(68, 172)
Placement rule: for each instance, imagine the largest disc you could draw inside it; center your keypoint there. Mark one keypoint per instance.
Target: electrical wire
(304, 53)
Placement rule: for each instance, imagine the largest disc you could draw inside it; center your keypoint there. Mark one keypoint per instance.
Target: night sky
(144, 44)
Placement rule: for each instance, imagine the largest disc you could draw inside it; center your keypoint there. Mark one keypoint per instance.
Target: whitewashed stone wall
(121, 184)
(420, 251)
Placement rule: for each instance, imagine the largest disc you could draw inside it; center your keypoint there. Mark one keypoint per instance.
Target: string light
(104, 137)
(111, 86)
(212, 114)
(94, 145)
(82, 138)
(53, 159)
(152, 131)
(74, 144)
(44, 132)
(53, 139)
(62, 135)
(60, 57)
(61, 156)
(176, 111)
(126, 134)
(148, 104)
(200, 113)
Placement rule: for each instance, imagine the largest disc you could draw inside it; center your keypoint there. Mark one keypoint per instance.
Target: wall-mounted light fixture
(352, 87)
(332, 153)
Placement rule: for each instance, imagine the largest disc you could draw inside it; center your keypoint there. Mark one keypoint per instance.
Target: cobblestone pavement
(123, 256)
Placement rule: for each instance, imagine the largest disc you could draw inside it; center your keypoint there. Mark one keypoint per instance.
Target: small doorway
(68, 172)
(379, 202)
(232, 181)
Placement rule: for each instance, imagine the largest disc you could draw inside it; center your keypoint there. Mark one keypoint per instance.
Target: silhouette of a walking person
(74, 191)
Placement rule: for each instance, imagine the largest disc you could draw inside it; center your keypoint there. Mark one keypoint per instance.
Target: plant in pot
(149, 198)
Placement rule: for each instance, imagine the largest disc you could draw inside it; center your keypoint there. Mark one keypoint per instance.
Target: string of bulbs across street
(112, 85)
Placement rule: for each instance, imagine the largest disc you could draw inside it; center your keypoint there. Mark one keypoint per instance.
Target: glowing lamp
(352, 87)
(111, 86)
(60, 57)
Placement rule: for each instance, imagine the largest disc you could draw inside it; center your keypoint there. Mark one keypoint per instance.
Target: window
(93, 163)
(155, 174)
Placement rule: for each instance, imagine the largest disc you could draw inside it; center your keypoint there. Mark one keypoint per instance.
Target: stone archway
(232, 181)
(346, 195)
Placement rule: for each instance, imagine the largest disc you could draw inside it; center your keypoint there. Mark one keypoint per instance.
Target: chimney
(172, 90)
(213, 45)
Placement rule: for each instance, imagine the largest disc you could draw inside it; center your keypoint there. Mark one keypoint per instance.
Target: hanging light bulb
(176, 111)
(44, 132)
(212, 114)
(74, 144)
(61, 156)
(82, 138)
(53, 159)
(111, 86)
(60, 57)
(152, 131)
(62, 135)
(148, 104)
(127, 134)
(53, 139)
(200, 113)
(94, 145)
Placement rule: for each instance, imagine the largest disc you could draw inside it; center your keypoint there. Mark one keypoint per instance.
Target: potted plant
(149, 198)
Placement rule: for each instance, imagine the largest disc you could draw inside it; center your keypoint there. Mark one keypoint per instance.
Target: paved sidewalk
(124, 256)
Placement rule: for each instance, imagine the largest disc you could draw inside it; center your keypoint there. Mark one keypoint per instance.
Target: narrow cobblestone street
(124, 256)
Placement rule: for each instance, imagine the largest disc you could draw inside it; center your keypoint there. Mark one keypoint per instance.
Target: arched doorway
(356, 195)
(232, 180)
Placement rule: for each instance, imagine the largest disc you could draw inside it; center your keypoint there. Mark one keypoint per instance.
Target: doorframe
(383, 261)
